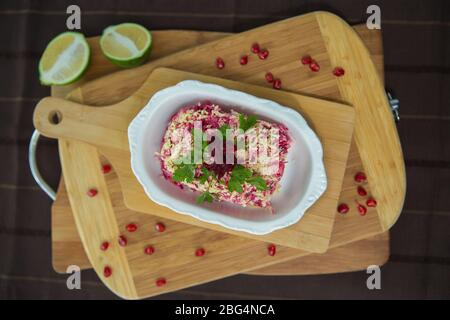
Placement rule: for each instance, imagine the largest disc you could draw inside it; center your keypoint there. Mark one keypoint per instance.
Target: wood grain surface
(67, 248)
(416, 66)
(383, 163)
(106, 128)
(164, 43)
(95, 219)
(332, 43)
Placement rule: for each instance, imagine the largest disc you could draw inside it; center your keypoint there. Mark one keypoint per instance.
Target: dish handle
(102, 127)
(34, 168)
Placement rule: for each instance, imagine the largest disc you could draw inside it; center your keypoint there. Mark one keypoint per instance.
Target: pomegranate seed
(338, 72)
(220, 64)
(106, 168)
(343, 208)
(244, 60)
(360, 177)
(255, 48)
(200, 252)
(314, 66)
(263, 54)
(272, 250)
(131, 227)
(362, 210)
(149, 250)
(277, 84)
(107, 272)
(161, 282)
(104, 246)
(306, 60)
(371, 203)
(122, 241)
(92, 192)
(269, 77)
(362, 192)
(160, 227)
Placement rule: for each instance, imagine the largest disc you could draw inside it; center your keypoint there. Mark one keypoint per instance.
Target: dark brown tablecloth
(417, 57)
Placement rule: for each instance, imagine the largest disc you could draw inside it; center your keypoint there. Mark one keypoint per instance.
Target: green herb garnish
(258, 182)
(235, 185)
(205, 175)
(205, 196)
(246, 123)
(240, 175)
(184, 173)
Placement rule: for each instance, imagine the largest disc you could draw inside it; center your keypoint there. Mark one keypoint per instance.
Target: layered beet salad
(224, 156)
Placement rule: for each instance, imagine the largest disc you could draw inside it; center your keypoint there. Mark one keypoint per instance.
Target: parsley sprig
(205, 196)
(259, 183)
(184, 173)
(240, 175)
(205, 175)
(246, 122)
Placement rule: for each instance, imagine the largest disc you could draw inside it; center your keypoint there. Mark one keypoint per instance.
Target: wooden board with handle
(330, 41)
(67, 248)
(349, 223)
(241, 262)
(106, 128)
(136, 273)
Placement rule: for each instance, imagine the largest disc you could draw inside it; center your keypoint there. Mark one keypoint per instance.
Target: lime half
(64, 60)
(127, 44)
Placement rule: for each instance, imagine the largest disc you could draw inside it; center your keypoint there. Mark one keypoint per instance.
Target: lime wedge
(64, 60)
(126, 45)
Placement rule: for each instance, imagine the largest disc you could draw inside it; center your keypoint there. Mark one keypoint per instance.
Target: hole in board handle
(55, 117)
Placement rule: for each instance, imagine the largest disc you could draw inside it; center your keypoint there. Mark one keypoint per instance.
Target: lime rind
(46, 77)
(138, 56)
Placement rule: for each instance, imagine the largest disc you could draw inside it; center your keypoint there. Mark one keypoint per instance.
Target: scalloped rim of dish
(315, 189)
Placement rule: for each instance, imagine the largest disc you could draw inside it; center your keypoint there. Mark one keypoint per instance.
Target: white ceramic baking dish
(303, 182)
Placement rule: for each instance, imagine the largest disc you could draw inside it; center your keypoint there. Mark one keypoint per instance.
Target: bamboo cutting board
(351, 223)
(135, 273)
(107, 128)
(164, 43)
(330, 41)
(67, 248)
